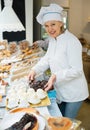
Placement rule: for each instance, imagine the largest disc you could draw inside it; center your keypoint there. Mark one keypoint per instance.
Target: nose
(49, 28)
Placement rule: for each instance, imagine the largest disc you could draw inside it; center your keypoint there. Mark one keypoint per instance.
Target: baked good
(62, 123)
(30, 92)
(41, 93)
(37, 84)
(12, 103)
(24, 45)
(34, 99)
(12, 47)
(3, 45)
(22, 124)
(28, 110)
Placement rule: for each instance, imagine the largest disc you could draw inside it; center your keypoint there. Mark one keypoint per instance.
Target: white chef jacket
(64, 58)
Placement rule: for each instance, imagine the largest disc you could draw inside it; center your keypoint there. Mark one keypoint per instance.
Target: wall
(75, 17)
(78, 18)
(86, 24)
(29, 20)
(36, 25)
(64, 3)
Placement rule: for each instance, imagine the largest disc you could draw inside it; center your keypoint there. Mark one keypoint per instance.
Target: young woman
(64, 58)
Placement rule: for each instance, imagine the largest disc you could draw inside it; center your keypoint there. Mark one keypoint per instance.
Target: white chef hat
(52, 12)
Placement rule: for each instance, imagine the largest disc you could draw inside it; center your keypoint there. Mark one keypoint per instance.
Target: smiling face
(53, 28)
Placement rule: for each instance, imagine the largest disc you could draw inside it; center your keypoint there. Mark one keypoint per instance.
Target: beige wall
(75, 16)
(78, 18)
(86, 24)
(64, 3)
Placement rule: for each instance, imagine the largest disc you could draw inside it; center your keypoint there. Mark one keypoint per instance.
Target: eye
(53, 24)
(46, 25)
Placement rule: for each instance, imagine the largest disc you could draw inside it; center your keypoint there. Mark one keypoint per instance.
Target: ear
(61, 24)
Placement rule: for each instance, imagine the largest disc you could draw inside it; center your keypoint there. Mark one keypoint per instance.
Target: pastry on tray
(34, 99)
(41, 93)
(3, 45)
(13, 47)
(37, 84)
(24, 45)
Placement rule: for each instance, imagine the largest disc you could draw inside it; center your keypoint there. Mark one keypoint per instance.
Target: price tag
(2, 47)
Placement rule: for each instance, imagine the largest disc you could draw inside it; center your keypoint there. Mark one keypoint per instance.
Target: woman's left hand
(50, 83)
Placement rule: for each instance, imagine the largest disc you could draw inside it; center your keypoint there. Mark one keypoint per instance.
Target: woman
(64, 58)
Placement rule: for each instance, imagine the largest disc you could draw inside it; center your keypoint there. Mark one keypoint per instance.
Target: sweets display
(18, 57)
(21, 94)
(24, 65)
(25, 99)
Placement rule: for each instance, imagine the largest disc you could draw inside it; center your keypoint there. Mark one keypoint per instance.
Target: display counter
(50, 110)
(19, 68)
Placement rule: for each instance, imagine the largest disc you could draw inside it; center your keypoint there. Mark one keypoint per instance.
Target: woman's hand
(35, 43)
(50, 83)
(31, 75)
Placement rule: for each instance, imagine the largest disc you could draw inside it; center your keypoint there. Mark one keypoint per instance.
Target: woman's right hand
(31, 75)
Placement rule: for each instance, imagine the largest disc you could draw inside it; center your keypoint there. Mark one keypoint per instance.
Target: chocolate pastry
(27, 118)
(38, 84)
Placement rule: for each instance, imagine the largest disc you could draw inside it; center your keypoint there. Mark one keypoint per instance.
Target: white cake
(31, 91)
(12, 103)
(23, 103)
(34, 99)
(41, 94)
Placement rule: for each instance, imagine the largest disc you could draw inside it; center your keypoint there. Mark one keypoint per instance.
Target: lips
(53, 34)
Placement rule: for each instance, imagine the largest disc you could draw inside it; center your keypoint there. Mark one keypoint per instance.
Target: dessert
(12, 47)
(37, 84)
(30, 92)
(3, 45)
(21, 95)
(12, 103)
(62, 123)
(34, 99)
(22, 123)
(41, 93)
(24, 45)
(28, 110)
